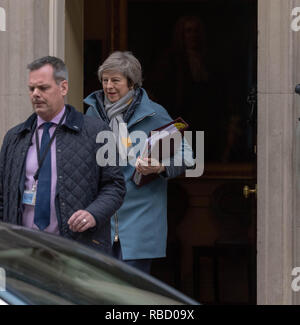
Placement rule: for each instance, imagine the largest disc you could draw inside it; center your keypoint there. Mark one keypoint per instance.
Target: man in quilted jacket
(49, 177)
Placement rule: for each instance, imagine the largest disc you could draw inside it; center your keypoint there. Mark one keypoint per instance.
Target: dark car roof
(44, 268)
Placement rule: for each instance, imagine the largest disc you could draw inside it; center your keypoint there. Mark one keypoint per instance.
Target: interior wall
(226, 73)
(213, 211)
(95, 24)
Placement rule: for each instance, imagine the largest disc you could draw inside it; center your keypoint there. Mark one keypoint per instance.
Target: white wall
(26, 38)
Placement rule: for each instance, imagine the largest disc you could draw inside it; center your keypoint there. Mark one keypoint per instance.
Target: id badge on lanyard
(29, 196)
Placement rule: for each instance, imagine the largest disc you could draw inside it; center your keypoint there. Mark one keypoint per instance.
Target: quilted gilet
(81, 183)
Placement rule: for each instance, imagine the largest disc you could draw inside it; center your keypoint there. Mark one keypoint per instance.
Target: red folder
(154, 144)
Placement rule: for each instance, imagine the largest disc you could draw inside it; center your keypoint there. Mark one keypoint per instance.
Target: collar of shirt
(55, 119)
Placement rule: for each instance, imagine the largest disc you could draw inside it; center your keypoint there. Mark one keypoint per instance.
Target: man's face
(47, 97)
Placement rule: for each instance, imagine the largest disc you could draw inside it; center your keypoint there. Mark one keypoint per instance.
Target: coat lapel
(143, 111)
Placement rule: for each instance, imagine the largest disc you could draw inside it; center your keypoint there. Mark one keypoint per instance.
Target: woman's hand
(148, 166)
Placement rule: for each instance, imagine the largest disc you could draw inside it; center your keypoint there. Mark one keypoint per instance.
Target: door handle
(247, 191)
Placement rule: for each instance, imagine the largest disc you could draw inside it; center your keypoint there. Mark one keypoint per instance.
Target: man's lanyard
(41, 159)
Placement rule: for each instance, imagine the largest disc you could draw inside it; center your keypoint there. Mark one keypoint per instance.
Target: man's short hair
(60, 72)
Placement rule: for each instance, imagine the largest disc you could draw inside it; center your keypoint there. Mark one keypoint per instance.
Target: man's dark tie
(43, 195)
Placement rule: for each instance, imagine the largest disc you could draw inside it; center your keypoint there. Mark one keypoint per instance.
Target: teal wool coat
(141, 222)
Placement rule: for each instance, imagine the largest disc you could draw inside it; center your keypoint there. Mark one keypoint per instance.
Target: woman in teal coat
(139, 228)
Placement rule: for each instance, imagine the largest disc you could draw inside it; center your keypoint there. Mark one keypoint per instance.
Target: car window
(41, 275)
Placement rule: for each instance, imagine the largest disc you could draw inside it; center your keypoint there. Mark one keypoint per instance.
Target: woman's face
(115, 85)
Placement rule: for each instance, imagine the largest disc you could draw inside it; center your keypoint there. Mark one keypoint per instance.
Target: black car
(37, 268)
